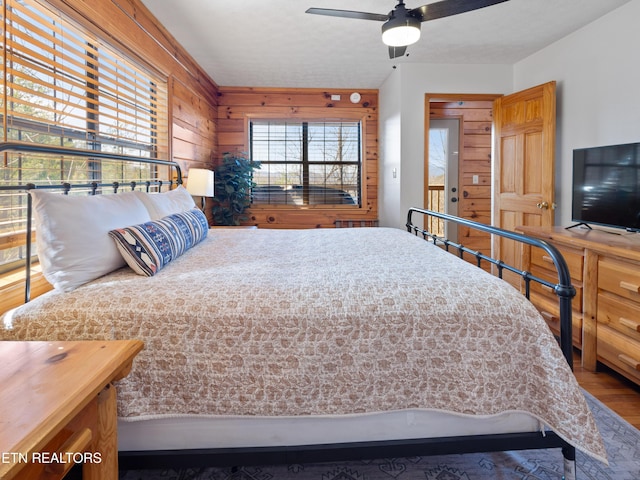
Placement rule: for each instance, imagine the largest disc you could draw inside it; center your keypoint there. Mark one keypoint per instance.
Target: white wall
(597, 70)
(401, 120)
(389, 135)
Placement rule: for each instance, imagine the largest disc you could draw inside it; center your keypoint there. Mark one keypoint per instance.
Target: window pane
(334, 142)
(307, 163)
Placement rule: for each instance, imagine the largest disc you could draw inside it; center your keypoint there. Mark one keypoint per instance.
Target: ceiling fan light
(400, 32)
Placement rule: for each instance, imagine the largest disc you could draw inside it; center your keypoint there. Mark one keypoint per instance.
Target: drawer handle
(632, 287)
(632, 362)
(630, 324)
(547, 288)
(547, 258)
(78, 442)
(549, 317)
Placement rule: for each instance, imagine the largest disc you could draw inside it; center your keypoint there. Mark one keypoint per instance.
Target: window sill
(12, 287)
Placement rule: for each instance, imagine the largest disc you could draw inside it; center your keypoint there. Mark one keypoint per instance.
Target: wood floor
(612, 389)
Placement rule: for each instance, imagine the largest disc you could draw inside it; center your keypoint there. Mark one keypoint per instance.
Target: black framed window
(307, 162)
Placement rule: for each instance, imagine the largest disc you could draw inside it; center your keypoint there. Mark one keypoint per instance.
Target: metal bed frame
(412, 447)
(358, 450)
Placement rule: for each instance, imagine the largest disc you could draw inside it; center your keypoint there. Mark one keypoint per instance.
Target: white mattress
(190, 431)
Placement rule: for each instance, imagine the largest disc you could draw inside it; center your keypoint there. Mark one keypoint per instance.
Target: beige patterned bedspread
(333, 321)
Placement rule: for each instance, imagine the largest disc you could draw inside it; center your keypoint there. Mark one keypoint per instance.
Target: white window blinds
(63, 86)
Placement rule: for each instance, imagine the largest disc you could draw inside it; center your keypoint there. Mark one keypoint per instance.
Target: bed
(266, 346)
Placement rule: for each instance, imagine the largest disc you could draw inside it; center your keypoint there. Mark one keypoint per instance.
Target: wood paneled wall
(475, 159)
(238, 105)
(193, 109)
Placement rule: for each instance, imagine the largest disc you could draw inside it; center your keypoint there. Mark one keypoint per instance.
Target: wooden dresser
(58, 407)
(605, 269)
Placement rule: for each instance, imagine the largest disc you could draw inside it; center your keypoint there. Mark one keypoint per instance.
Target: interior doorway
(474, 114)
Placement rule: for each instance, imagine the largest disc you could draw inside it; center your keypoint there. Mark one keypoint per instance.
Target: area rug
(622, 441)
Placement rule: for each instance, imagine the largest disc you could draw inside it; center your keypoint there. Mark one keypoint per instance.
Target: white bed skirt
(189, 432)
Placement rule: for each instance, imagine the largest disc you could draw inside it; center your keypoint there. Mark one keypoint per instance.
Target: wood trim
(467, 97)
(15, 239)
(327, 92)
(12, 292)
(590, 310)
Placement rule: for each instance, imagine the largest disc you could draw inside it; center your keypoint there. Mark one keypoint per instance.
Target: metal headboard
(93, 187)
(564, 289)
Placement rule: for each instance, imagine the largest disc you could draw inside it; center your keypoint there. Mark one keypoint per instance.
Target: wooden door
(524, 164)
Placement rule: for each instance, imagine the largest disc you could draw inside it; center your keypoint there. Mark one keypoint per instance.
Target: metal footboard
(563, 289)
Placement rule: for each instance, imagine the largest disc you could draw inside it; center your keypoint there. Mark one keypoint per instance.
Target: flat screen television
(606, 186)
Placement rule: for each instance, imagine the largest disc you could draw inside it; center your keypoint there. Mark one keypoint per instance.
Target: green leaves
(233, 184)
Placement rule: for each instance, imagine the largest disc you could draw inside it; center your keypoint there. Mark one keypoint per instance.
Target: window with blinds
(62, 86)
(307, 163)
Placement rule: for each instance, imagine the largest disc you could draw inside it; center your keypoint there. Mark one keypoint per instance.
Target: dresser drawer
(549, 293)
(619, 314)
(72, 444)
(621, 278)
(574, 259)
(619, 352)
(550, 311)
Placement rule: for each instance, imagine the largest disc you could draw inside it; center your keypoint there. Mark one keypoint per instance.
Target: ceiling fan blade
(447, 8)
(348, 14)
(395, 52)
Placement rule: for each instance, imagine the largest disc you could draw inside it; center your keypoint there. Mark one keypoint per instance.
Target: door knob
(542, 205)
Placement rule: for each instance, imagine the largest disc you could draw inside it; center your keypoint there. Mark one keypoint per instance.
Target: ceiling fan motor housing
(402, 28)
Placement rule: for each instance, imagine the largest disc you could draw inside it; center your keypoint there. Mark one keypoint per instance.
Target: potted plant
(233, 184)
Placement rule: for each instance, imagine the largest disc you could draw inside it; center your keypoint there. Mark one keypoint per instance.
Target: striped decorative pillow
(148, 247)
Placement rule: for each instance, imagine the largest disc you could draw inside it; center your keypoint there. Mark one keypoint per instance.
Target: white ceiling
(275, 43)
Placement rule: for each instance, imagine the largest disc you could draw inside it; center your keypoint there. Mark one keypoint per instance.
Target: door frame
(448, 97)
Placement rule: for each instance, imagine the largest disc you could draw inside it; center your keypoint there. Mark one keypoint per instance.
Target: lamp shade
(401, 31)
(200, 182)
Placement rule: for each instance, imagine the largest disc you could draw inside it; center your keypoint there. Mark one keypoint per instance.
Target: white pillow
(161, 205)
(72, 234)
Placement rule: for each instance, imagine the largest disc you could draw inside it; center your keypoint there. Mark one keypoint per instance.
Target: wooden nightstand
(58, 407)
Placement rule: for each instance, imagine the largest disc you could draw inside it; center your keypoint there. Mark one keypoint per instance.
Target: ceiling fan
(401, 26)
